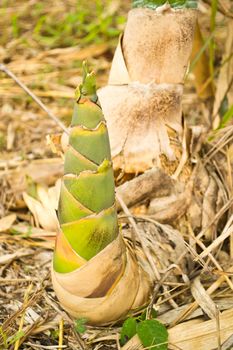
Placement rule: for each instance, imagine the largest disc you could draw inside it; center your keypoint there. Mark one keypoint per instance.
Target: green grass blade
(226, 118)
(214, 6)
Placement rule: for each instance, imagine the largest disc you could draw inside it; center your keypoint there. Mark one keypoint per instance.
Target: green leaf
(3, 336)
(128, 330)
(80, 325)
(153, 4)
(153, 334)
(15, 337)
(142, 317)
(54, 334)
(224, 106)
(226, 118)
(28, 233)
(214, 7)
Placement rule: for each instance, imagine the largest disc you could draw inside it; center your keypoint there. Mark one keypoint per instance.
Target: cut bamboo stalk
(142, 103)
(153, 57)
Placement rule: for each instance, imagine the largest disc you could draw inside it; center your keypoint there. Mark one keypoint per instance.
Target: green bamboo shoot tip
(88, 86)
(86, 212)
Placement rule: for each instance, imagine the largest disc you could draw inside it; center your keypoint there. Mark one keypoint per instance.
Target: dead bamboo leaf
(10, 136)
(209, 209)
(228, 231)
(7, 258)
(43, 209)
(33, 232)
(228, 344)
(44, 171)
(7, 222)
(202, 298)
(71, 53)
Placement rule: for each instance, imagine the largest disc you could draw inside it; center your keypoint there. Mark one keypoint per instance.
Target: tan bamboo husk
(104, 289)
(137, 146)
(142, 103)
(119, 279)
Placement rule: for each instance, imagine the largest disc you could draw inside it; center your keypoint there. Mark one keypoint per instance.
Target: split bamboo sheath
(142, 101)
(94, 274)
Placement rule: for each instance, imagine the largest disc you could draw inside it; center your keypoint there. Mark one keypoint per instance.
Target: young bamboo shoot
(94, 275)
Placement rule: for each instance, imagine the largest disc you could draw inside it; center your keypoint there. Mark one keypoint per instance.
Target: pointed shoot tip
(88, 85)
